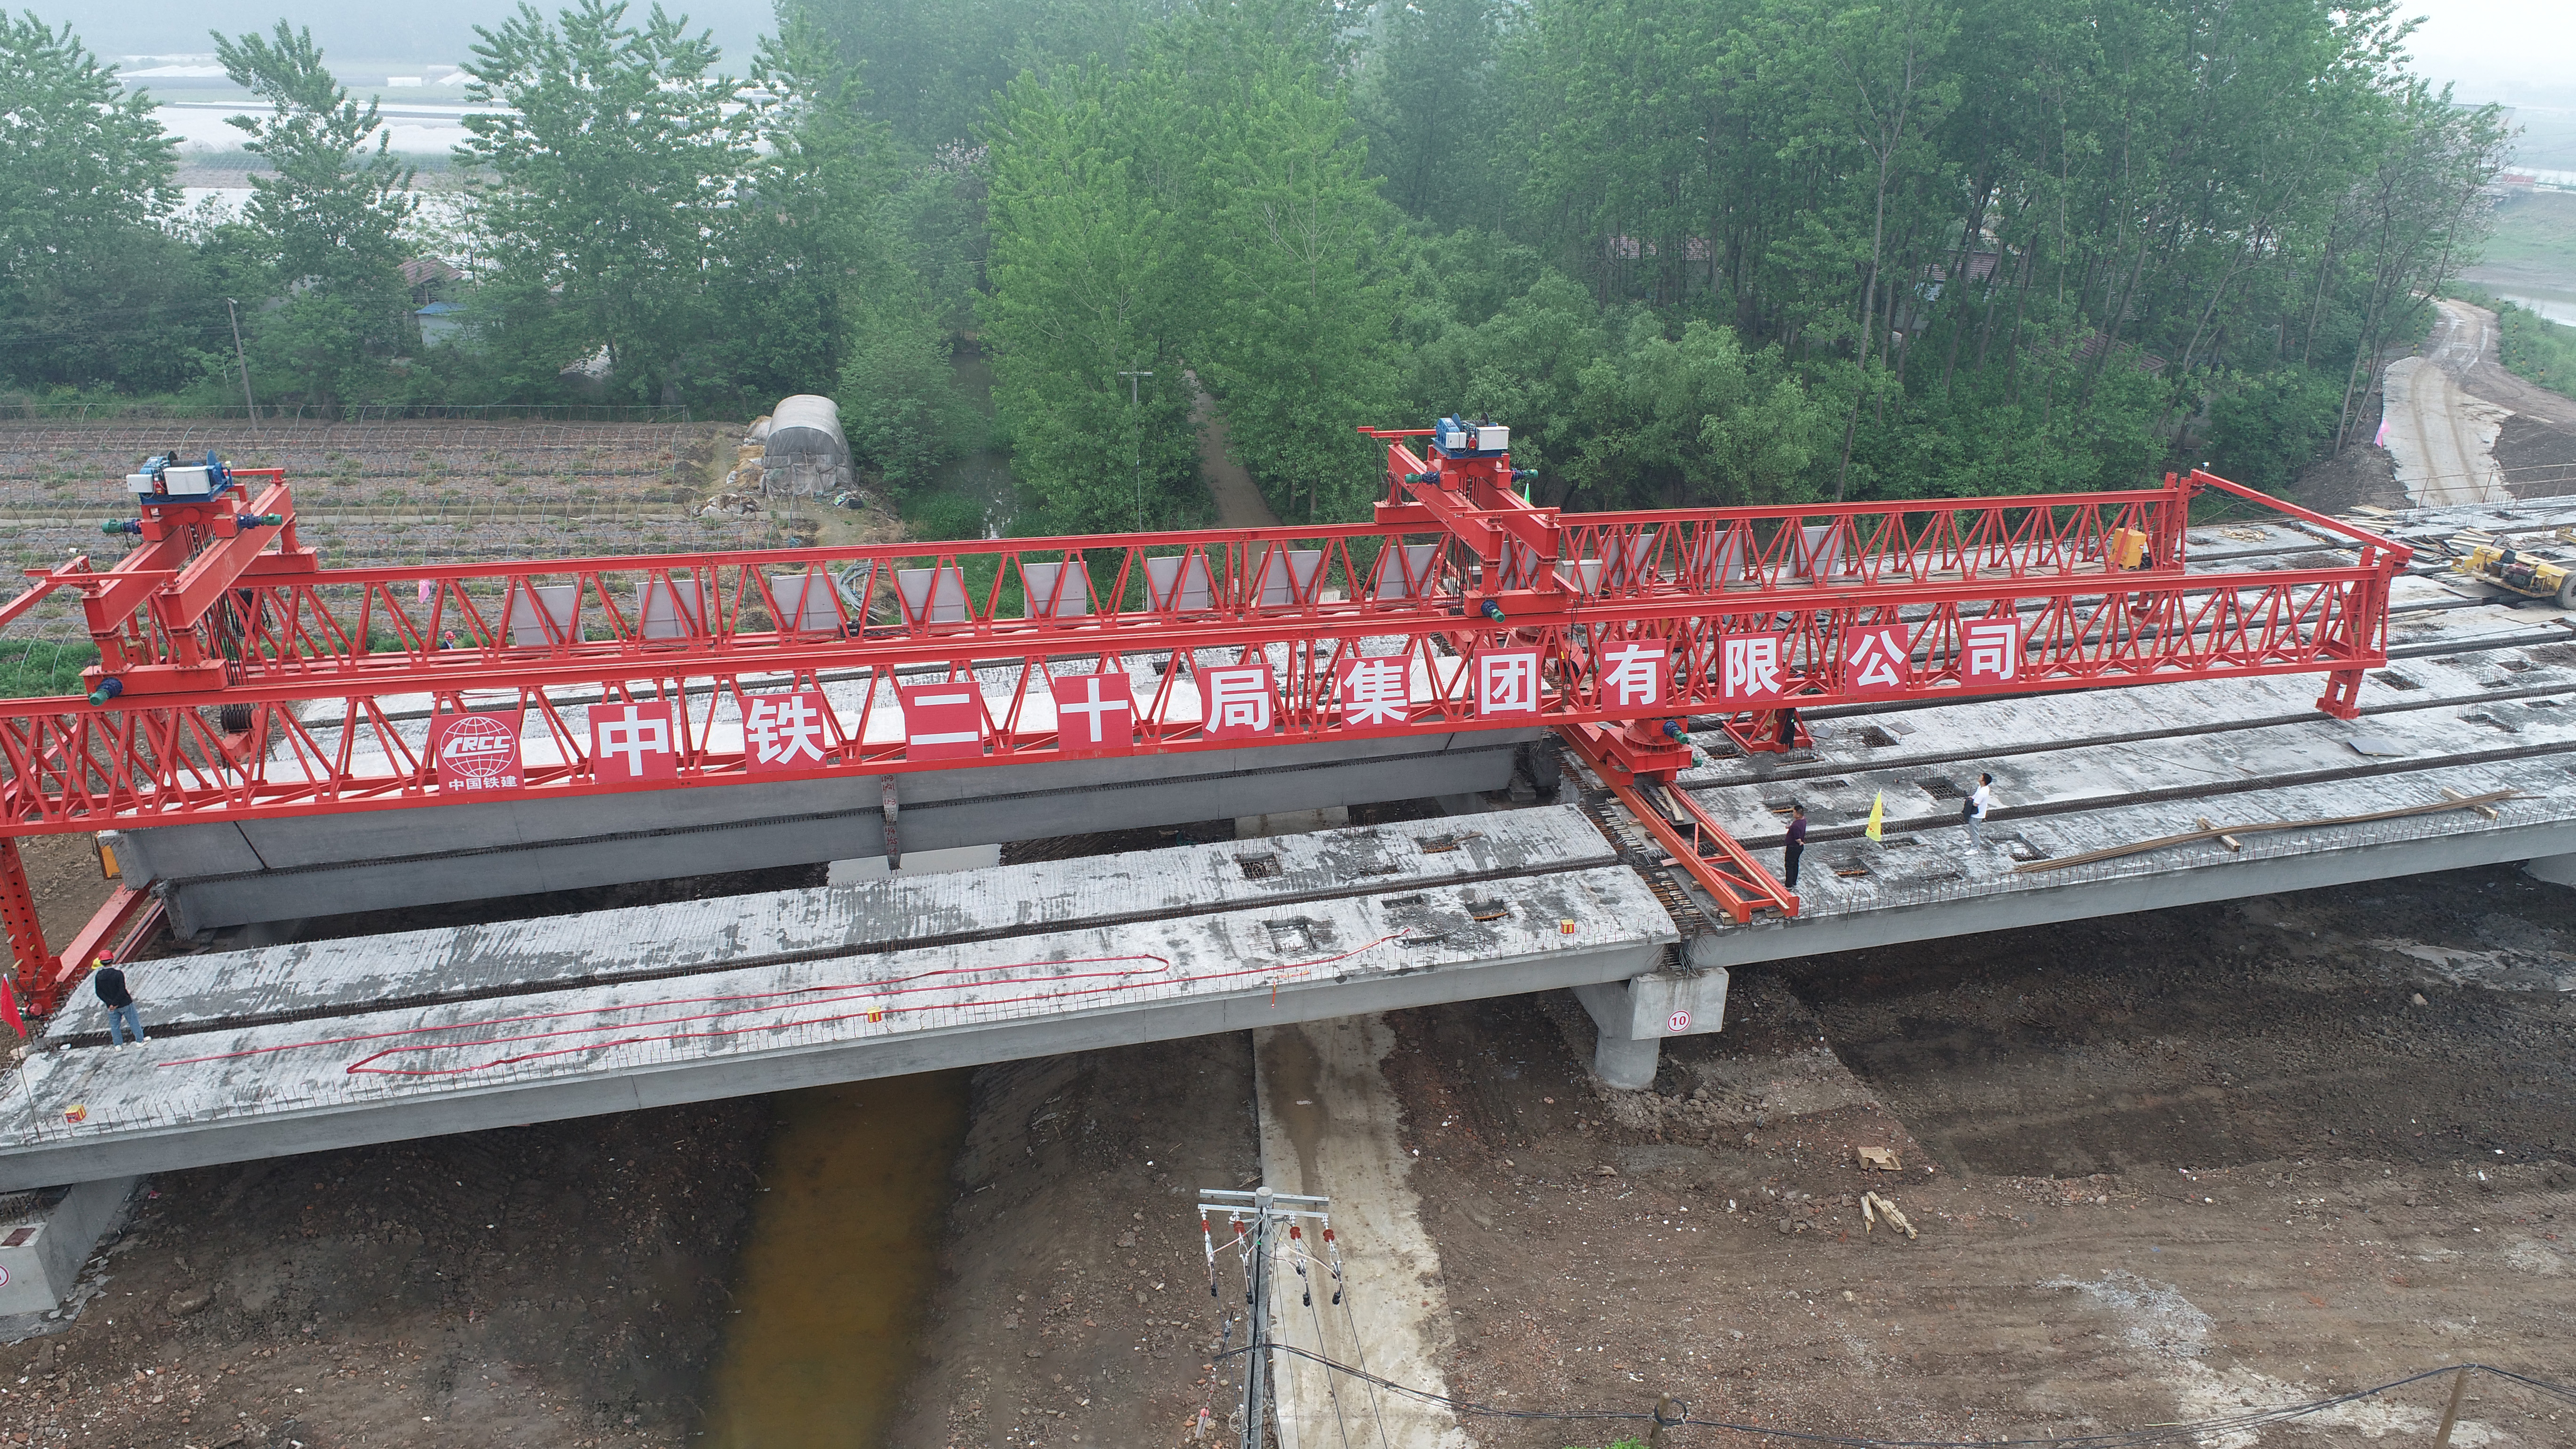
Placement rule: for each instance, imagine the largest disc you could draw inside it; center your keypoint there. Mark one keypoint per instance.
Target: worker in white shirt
(1977, 807)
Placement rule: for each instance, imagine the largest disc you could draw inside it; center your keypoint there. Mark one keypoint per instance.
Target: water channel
(832, 1284)
(2548, 302)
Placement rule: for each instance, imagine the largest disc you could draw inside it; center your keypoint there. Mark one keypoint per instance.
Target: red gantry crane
(239, 678)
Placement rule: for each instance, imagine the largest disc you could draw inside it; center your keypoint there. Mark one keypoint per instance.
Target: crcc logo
(479, 747)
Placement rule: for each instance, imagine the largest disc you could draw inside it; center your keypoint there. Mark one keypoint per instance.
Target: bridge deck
(296, 1048)
(342, 1042)
(2477, 698)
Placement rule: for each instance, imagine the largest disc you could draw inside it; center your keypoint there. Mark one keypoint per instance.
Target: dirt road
(1330, 1128)
(1239, 503)
(2462, 429)
(2441, 436)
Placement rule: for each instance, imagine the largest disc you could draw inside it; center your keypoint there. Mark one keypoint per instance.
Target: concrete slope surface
(1329, 1128)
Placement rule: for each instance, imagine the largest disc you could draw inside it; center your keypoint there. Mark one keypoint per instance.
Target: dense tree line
(634, 224)
(1695, 251)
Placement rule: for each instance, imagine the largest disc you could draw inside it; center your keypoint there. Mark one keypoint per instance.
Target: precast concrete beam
(231, 874)
(341, 1043)
(873, 916)
(1997, 899)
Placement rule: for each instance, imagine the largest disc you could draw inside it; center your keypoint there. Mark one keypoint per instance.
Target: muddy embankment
(1072, 1305)
(557, 1285)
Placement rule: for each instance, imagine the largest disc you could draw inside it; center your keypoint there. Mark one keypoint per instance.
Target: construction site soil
(2162, 1166)
(555, 1285)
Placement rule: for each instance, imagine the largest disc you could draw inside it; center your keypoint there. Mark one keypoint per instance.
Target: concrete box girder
(217, 875)
(351, 1072)
(863, 917)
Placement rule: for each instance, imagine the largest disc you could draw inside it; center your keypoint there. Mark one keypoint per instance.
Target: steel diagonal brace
(1717, 861)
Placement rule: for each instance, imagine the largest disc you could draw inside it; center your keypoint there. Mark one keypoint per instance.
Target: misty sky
(442, 31)
(2499, 50)
(2511, 50)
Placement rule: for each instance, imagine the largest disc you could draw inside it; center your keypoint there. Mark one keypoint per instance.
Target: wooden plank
(2489, 811)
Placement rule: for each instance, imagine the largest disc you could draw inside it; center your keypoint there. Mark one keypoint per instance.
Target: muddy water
(831, 1286)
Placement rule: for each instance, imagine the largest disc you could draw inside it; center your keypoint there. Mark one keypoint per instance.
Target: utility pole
(239, 357)
(1136, 435)
(1256, 1362)
(1259, 1218)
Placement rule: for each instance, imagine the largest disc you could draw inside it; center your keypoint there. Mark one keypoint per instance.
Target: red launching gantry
(238, 678)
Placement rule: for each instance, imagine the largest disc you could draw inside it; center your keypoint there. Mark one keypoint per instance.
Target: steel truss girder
(256, 684)
(348, 646)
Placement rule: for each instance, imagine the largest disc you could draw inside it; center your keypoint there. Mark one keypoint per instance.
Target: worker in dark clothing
(1797, 844)
(109, 983)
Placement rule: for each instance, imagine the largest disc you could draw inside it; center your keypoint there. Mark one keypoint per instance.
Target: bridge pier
(2555, 869)
(49, 1235)
(1634, 1016)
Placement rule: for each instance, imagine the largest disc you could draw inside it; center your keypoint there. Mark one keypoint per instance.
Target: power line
(2120, 1439)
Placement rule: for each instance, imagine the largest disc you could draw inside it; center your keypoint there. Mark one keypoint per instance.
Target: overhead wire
(1350, 1320)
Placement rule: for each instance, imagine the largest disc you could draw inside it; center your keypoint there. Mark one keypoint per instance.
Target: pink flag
(2381, 441)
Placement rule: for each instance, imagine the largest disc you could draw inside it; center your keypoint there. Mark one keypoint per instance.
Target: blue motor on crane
(166, 477)
(1458, 438)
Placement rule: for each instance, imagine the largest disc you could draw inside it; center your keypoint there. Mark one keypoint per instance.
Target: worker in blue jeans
(109, 983)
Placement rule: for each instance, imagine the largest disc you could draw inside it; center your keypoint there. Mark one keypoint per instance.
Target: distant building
(428, 279)
(440, 322)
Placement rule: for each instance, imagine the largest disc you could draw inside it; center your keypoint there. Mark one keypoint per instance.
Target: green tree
(332, 204)
(330, 212)
(614, 173)
(1295, 331)
(1524, 365)
(1430, 100)
(1083, 268)
(91, 291)
(935, 66)
(817, 275)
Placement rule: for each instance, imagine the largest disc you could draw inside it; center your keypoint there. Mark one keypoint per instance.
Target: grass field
(2534, 240)
(2538, 349)
(38, 668)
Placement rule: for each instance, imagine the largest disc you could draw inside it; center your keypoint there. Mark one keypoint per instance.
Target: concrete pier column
(44, 1243)
(1627, 1065)
(2555, 869)
(1634, 1016)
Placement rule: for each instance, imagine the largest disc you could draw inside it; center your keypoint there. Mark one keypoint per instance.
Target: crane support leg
(2342, 698)
(1716, 861)
(42, 978)
(34, 962)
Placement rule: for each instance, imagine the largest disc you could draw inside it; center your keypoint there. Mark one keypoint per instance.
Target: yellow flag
(1877, 814)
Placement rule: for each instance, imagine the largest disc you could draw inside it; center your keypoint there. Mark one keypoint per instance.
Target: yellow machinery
(2497, 561)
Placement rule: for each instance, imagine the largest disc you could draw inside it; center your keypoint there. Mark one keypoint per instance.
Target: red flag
(9, 1008)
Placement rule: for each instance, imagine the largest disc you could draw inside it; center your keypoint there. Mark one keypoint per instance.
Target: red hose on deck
(767, 1000)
